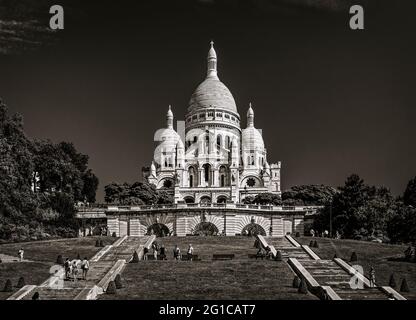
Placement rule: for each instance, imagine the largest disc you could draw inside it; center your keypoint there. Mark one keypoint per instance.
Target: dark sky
(331, 101)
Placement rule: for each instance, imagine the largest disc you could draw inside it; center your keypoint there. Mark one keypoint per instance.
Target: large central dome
(212, 93)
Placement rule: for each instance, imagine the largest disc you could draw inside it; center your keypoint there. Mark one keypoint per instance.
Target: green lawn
(43, 255)
(385, 259)
(242, 278)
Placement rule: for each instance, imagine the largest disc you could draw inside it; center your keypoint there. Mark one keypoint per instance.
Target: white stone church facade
(213, 159)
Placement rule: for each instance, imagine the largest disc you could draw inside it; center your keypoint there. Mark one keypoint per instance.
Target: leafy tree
(39, 182)
(267, 198)
(136, 194)
(308, 195)
(409, 197)
(346, 204)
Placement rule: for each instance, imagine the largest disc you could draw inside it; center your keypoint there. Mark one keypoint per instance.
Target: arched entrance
(205, 229)
(222, 199)
(253, 229)
(205, 200)
(189, 200)
(158, 229)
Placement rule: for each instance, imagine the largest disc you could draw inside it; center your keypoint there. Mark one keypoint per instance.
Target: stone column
(113, 225)
(277, 226)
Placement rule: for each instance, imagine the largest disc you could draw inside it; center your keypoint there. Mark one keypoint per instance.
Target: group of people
(323, 234)
(159, 252)
(73, 268)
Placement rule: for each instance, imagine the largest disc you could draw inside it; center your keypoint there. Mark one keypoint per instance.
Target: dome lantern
(212, 62)
(169, 118)
(250, 116)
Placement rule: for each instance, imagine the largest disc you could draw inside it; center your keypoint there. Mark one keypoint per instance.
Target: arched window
(192, 177)
(228, 142)
(223, 176)
(219, 141)
(207, 143)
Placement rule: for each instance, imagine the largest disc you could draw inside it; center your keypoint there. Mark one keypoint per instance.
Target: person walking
(74, 270)
(67, 266)
(21, 254)
(85, 266)
(372, 277)
(190, 252)
(155, 248)
(162, 252)
(145, 252)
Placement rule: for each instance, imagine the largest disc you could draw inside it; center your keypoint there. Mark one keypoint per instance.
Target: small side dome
(252, 139)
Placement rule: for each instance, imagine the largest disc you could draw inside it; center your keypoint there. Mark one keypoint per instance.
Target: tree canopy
(39, 181)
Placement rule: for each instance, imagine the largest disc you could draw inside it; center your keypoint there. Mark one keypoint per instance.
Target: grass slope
(43, 255)
(385, 259)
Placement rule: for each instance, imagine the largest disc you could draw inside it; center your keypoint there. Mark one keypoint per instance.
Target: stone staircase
(327, 275)
(99, 268)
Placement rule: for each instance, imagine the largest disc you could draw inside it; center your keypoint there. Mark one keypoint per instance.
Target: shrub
(404, 287)
(8, 286)
(111, 289)
(278, 256)
(315, 244)
(60, 260)
(303, 288)
(118, 282)
(135, 257)
(353, 257)
(297, 235)
(114, 235)
(35, 296)
(101, 243)
(311, 244)
(296, 282)
(97, 243)
(392, 281)
(21, 283)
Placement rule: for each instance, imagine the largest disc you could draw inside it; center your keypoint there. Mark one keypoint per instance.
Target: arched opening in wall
(253, 229)
(222, 199)
(223, 176)
(207, 174)
(205, 200)
(206, 229)
(158, 229)
(219, 142)
(192, 177)
(189, 200)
